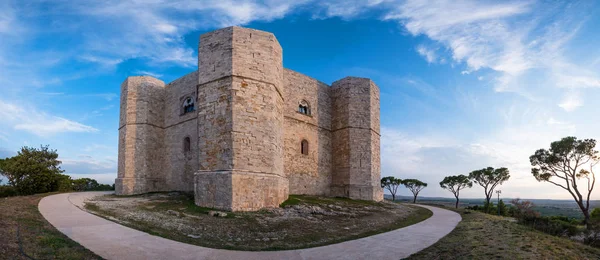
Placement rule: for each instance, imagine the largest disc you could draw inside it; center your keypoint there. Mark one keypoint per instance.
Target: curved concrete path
(113, 241)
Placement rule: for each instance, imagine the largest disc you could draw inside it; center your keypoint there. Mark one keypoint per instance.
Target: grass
(483, 236)
(25, 234)
(247, 230)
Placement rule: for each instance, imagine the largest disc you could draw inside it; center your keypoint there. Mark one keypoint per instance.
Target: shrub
(523, 209)
(595, 214)
(556, 226)
(7, 191)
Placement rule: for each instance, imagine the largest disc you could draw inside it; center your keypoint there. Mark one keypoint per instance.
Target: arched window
(187, 146)
(304, 107)
(304, 147)
(188, 105)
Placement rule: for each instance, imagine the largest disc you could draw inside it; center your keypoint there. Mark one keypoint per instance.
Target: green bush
(7, 191)
(595, 214)
(557, 226)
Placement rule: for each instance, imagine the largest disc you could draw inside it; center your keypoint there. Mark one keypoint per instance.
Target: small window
(304, 147)
(304, 108)
(187, 146)
(188, 105)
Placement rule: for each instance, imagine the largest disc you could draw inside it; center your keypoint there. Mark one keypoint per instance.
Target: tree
(33, 170)
(489, 178)
(502, 209)
(563, 165)
(523, 209)
(455, 184)
(391, 184)
(415, 186)
(85, 184)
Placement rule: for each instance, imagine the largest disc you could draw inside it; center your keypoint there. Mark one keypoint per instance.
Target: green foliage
(489, 178)
(556, 226)
(562, 165)
(455, 184)
(502, 208)
(415, 186)
(595, 214)
(391, 183)
(64, 183)
(7, 191)
(488, 208)
(87, 184)
(33, 170)
(523, 209)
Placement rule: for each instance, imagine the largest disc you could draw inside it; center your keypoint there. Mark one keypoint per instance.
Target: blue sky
(464, 84)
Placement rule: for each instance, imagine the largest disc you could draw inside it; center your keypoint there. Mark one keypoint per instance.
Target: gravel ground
(302, 221)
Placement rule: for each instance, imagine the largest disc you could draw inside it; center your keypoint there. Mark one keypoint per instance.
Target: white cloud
(345, 9)
(38, 123)
(513, 38)
(86, 164)
(571, 102)
(154, 30)
(427, 53)
(148, 73)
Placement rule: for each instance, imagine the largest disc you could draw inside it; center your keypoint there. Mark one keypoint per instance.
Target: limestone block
(239, 190)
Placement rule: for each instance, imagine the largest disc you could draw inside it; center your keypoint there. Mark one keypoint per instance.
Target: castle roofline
(304, 75)
(352, 78)
(240, 28)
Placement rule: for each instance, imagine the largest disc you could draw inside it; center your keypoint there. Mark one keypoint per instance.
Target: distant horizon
(482, 199)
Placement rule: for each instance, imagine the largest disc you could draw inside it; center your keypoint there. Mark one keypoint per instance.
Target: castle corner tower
(240, 121)
(141, 135)
(356, 139)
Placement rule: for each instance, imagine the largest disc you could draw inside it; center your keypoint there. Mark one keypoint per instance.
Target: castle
(242, 132)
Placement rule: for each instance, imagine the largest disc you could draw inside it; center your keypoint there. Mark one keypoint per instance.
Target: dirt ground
(25, 234)
(302, 221)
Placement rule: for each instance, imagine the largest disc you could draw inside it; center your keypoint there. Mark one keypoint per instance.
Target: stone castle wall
(307, 174)
(140, 168)
(355, 131)
(245, 106)
(246, 131)
(181, 164)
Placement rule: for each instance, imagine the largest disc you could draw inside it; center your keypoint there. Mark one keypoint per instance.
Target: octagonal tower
(240, 121)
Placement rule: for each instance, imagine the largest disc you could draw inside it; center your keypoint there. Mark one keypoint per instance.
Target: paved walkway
(113, 241)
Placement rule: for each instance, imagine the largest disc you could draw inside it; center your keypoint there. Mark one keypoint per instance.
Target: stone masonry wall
(356, 139)
(307, 174)
(240, 121)
(141, 136)
(181, 165)
(246, 132)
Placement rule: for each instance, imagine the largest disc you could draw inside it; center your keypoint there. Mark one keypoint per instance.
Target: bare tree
(564, 165)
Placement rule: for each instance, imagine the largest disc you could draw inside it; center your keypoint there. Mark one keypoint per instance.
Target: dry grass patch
(25, 233)
(301, 222)
(483, 236)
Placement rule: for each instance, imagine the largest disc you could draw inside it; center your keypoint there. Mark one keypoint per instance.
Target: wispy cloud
(38, 123)
(147, 73)
(507, 37)
(571, 101)
(86, 164)
(427, 53)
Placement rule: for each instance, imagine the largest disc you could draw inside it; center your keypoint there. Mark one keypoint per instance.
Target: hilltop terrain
(546, 207)
(483, 236)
